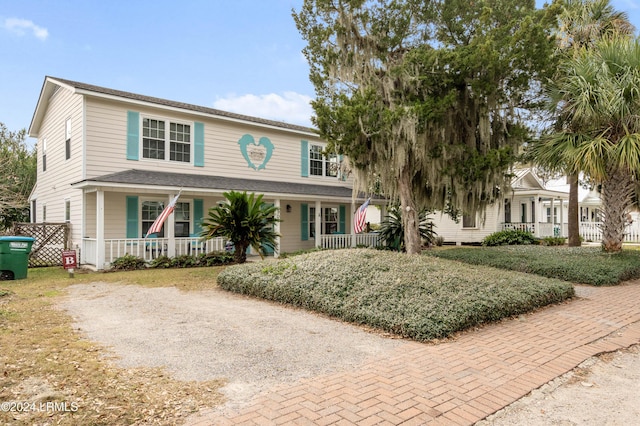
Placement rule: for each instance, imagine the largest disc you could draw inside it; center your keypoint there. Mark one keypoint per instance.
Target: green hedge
(585, 265)
(415, 296)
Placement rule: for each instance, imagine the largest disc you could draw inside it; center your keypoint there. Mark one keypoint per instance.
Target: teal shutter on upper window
(198, 213)
(132, 216)
(304, 158)
(133, 135)
(304, 222)
(198, 144)
(342, 218)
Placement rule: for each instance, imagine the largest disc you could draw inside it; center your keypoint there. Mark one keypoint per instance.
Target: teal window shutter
(132, 216)
(304, 222)
(198, 213)
(198, 144)
(304, 158)
(342, 218)
(133, 135)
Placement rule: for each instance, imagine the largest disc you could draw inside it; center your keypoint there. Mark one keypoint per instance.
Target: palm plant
(582, 23)
(599, 94)
(392, 230)
(246, 221)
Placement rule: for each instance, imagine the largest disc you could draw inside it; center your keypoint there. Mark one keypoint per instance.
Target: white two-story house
(109, 162)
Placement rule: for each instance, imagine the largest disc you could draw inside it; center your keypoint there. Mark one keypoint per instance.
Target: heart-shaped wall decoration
(256, 154)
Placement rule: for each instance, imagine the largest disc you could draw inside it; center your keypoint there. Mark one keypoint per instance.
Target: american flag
(157, 224)
(360, 221)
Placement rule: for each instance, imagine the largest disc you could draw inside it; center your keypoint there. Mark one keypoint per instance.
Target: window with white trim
(67, 210)
(330, 219)
(321, 164)
(67, 139)
(181, 215)
(44, 154)
(158, 136)
(469, 221)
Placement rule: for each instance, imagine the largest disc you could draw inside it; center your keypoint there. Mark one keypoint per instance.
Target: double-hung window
(321, 164)
(330, 219)
(181, 215)
(67, 139)
(158, 136)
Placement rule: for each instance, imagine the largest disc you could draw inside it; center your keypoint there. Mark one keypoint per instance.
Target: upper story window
(44, 154)
(67, 139)
(158, 136)
(320, 164)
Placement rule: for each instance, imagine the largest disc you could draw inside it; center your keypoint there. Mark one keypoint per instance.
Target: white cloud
(22, 26)
(291, 107)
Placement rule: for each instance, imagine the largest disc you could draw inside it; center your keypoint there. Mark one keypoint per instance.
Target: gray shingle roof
(183, 180)
(181, 105)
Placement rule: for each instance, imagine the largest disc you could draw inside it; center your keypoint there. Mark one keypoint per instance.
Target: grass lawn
(420, 297)
(44, 359)
(585, 265)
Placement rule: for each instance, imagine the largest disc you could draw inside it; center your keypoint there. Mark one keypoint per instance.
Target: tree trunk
(617, 192)
(410, 223)
(240, 255)
(574, 219)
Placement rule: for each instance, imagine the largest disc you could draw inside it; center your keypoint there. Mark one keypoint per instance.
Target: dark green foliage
(553, 241)
(215, 258)
(586, 265)
(509, 237)
(392, 229)
(17, 177)
(245, 220)
(128, 262)
(419, 297)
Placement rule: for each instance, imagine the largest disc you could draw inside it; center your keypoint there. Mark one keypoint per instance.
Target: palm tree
(244, 220)
(581, 25)
(392, 229)
(599, 94)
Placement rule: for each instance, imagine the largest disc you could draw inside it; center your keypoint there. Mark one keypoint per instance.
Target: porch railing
(147, 249)
(545, 229)
(592, 231)
(340, 241)
(589, 231)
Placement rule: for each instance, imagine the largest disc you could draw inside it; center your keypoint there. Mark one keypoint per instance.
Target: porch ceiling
(164, 181)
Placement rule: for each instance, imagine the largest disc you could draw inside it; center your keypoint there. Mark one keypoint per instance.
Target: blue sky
(237, 55)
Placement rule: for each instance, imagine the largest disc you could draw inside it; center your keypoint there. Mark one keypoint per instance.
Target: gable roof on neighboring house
(526, 179)
(207, 183)
(52, 84)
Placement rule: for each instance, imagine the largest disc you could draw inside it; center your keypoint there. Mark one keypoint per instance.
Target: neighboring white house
(529, 206)
(109, 161)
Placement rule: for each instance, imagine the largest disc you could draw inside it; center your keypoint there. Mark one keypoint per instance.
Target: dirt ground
(603, 390)
(201, 338)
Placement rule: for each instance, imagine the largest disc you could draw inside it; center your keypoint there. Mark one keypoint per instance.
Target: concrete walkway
(459, 381)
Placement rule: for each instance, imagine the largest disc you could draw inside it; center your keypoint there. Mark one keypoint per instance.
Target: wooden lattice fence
(50, 240)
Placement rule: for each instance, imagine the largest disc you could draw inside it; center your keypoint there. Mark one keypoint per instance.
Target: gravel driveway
(252, 344)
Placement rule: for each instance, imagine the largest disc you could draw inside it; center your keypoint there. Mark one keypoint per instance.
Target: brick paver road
(459, 381)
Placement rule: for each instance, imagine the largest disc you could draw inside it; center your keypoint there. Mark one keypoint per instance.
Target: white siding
(106, 146)
(454, 232)
(54, 183)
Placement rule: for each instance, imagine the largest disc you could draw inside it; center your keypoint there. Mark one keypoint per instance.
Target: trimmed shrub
(586, 265)
(509, 237)
(553, 241)
(128, 262)
(420, 297)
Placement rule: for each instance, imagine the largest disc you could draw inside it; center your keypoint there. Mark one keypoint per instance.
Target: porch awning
(166, 181)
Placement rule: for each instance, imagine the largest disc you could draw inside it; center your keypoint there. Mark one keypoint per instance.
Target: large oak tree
(426, 98)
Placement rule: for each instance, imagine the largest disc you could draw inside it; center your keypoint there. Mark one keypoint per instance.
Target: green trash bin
(14, 257)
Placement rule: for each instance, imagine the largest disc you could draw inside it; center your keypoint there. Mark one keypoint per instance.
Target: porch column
(100, 229)
(383, 212)
(170, 231)
(318, 222)
(353, 224)
(535, 215)
(553, 216)
(276, 228)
